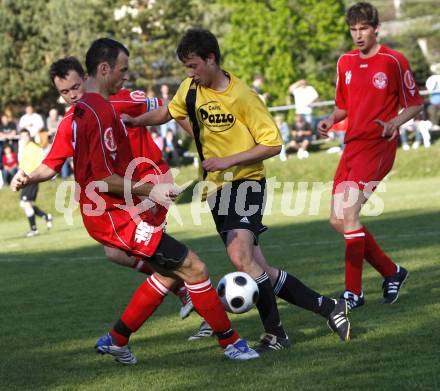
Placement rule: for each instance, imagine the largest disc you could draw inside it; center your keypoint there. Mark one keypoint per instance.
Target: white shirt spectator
(31, 121)
(304, 96)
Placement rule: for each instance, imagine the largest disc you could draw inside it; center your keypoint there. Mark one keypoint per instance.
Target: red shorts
(364, 163)
(117, 228)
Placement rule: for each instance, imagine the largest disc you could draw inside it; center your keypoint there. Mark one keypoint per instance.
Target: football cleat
(391, 285)
(31, 233)
(49, 221)
(122, 354)
(204, 331)
(338, 320)
(271, 343)
(240, 350)
(187, 306)
(353, 300)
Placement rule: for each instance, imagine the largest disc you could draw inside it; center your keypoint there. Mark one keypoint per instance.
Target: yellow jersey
(231, 121)
(31, 156)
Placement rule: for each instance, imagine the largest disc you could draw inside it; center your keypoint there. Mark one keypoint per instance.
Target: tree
(37, 32)
(286, 40)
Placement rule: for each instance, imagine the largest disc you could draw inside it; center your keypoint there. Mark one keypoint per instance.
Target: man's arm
(325, 125)
(162, 193)
(391, 128)
(41, 174)
(154, 117)
(255, 154)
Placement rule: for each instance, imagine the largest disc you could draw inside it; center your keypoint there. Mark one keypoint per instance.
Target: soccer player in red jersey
(102, 158)
(374, 82)
(67, 75)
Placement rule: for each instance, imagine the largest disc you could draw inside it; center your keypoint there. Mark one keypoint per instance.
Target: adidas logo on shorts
(245, 220)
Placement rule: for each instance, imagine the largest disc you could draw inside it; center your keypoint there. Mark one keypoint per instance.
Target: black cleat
(338, 320)
(271, 343)
(391, 285)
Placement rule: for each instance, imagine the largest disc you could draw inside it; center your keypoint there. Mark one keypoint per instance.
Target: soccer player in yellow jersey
(234, 133)
(30, 158)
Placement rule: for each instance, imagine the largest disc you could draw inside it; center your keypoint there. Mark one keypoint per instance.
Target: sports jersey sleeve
(341, 91)
(177, 106)
(408, 91)
(259, 121)
(62, 147)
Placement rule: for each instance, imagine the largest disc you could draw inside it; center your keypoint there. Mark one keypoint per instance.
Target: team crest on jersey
(409, 80)
(109, 140)
(138, 96)
(347, 77)
(215, 117)
(380, 80)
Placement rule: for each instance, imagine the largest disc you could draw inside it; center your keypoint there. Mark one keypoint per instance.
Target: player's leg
(119, 257)
(46, 216)
(30, 214)
(239, 246)
(292, 290)
(177, 261)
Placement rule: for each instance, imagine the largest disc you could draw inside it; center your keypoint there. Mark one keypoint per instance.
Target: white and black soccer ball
(238, 292)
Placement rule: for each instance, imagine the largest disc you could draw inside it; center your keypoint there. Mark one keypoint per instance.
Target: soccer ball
(238, 292)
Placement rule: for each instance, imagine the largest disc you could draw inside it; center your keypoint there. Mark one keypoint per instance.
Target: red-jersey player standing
(102, 157)
(374, 82)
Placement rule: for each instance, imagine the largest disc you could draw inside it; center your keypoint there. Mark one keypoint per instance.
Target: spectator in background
(8, 131)
(157, 139)
(31, 121)
(170, 149)
(421, 127)
(257, 86)
(301, 137)
(166, 97)
(10, 164)
(30, 158)
(284, 131)
(304, 96)
(433, 86)
(52, 122)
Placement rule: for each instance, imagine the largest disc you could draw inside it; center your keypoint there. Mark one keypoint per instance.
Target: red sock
(377, 258)
(354, 256)
(142, 266)
(209, 306)
(144, 302)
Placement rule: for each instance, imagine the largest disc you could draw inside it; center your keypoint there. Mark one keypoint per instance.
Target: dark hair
(25, 131)
(103, 50)
(63, 66)
(362, 13)
(199, 42)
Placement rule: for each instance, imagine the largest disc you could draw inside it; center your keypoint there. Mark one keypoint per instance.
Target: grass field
(59, 294)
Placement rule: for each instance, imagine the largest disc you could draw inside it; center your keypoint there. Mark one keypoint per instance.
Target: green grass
(59, 294)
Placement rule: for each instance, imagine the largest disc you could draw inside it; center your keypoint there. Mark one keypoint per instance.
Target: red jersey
(101, 148)
(132, 103)
(10, 162)
(373, 88)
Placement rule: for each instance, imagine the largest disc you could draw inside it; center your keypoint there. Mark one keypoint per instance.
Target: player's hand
(129, 121)
(216, 164)
(164, 194)
(324, 126)
(20, 180)
(390, 129)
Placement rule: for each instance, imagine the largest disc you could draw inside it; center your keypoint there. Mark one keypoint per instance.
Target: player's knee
(242, 260)
(194, 266)
(117, 256)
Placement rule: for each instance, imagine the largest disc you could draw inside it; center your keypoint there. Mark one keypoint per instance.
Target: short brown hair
(362, 13)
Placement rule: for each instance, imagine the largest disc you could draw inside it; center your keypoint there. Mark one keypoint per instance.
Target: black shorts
(239, 205)
(29, 193)
(170, 253)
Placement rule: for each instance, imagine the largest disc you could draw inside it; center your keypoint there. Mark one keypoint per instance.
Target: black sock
(39, 212)
(32, 223)
(267, 307)
(289, 288)
(121, 328)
